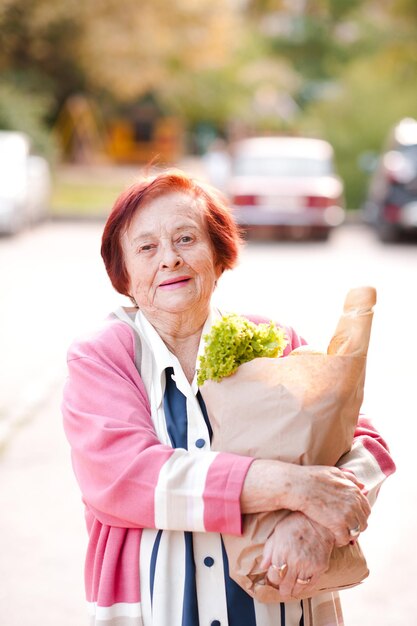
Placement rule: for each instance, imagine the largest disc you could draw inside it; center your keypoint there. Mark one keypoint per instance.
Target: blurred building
(143, 133)
(138, 134)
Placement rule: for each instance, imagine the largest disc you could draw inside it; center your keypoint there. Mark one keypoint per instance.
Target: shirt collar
(163, 358)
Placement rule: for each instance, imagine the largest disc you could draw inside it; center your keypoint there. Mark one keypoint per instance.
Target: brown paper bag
(301, 409)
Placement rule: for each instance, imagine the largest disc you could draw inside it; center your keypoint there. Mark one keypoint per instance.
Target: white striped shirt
(165, 571)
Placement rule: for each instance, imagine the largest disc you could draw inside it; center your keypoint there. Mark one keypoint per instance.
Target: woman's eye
(186, 239)
(146, 247)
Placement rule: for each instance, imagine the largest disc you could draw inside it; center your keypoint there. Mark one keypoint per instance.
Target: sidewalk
(42, 536)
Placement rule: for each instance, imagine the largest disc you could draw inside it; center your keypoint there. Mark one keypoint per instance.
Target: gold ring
(304, 581)
(281, 569)
(354, 532)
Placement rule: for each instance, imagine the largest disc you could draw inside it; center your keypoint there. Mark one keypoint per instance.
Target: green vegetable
(234, 340)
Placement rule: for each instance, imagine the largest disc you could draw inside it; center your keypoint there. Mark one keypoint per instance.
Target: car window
(281, 166)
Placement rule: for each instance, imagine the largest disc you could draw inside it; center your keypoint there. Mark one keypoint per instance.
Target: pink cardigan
(118, 459)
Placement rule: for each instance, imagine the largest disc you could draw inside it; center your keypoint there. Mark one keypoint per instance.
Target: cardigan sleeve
(369, 458)
(127, 477)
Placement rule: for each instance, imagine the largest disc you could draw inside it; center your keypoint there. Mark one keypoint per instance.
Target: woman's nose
(170, 258)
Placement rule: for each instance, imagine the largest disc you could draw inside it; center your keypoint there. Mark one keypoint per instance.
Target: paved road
(53, 286)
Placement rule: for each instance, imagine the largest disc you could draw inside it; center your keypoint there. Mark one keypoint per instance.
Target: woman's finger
(277, 573)
(351, 476)
(304, 583)
(340, 512)
(287, 584)
(267, 554)
(351, 532)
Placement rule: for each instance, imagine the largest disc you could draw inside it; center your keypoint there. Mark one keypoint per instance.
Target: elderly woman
(157, 498)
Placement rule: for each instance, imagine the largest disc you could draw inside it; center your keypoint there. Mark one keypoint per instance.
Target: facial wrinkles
(167, 257)
(165, 226)
(161, 224)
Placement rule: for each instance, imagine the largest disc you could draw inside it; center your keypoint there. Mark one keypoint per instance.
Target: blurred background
(303, 113)
(96, 84)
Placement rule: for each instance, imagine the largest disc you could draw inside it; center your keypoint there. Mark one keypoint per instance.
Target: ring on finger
(304, 581)
(355, 532)
(280, 569)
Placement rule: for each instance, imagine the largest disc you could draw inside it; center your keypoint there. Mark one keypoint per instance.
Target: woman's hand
(327, 495)
(296, 554)
(332, 498)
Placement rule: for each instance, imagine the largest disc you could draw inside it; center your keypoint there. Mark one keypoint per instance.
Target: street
(53, 287)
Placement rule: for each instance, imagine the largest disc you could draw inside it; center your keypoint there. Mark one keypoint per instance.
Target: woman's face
(169, 256)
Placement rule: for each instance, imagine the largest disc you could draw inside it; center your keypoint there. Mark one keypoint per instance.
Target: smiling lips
(175, 283)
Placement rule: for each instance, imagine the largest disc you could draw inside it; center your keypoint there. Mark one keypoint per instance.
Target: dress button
(215, 623)
(209, 561)
(200, 443)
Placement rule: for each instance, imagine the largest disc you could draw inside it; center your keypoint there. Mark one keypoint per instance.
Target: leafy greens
(234, 340)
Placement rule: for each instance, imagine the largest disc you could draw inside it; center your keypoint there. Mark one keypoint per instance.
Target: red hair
(222, 229)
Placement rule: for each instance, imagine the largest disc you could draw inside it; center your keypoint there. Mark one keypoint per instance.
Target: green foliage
(212, 95)
(357, 120)
(234, 340)
(88, 191)
(316, 40)
(218, 62)
(88, 199)
(40, 46)
(26, 112)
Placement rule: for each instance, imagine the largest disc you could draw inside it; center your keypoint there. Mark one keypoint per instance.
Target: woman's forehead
(171, 209)
(171, 203)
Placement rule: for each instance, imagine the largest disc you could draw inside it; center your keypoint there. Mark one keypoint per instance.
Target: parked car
(288, 183)
(391, 204)
(25, 183)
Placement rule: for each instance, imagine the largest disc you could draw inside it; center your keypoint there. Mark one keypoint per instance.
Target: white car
(25, 183)
(288, 183)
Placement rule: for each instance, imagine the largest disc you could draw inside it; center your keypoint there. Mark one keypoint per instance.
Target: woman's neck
(181, 334)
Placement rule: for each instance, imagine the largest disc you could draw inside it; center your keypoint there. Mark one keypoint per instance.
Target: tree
(267, 62)
(183, 52)
(375, 90)
(39, 42)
